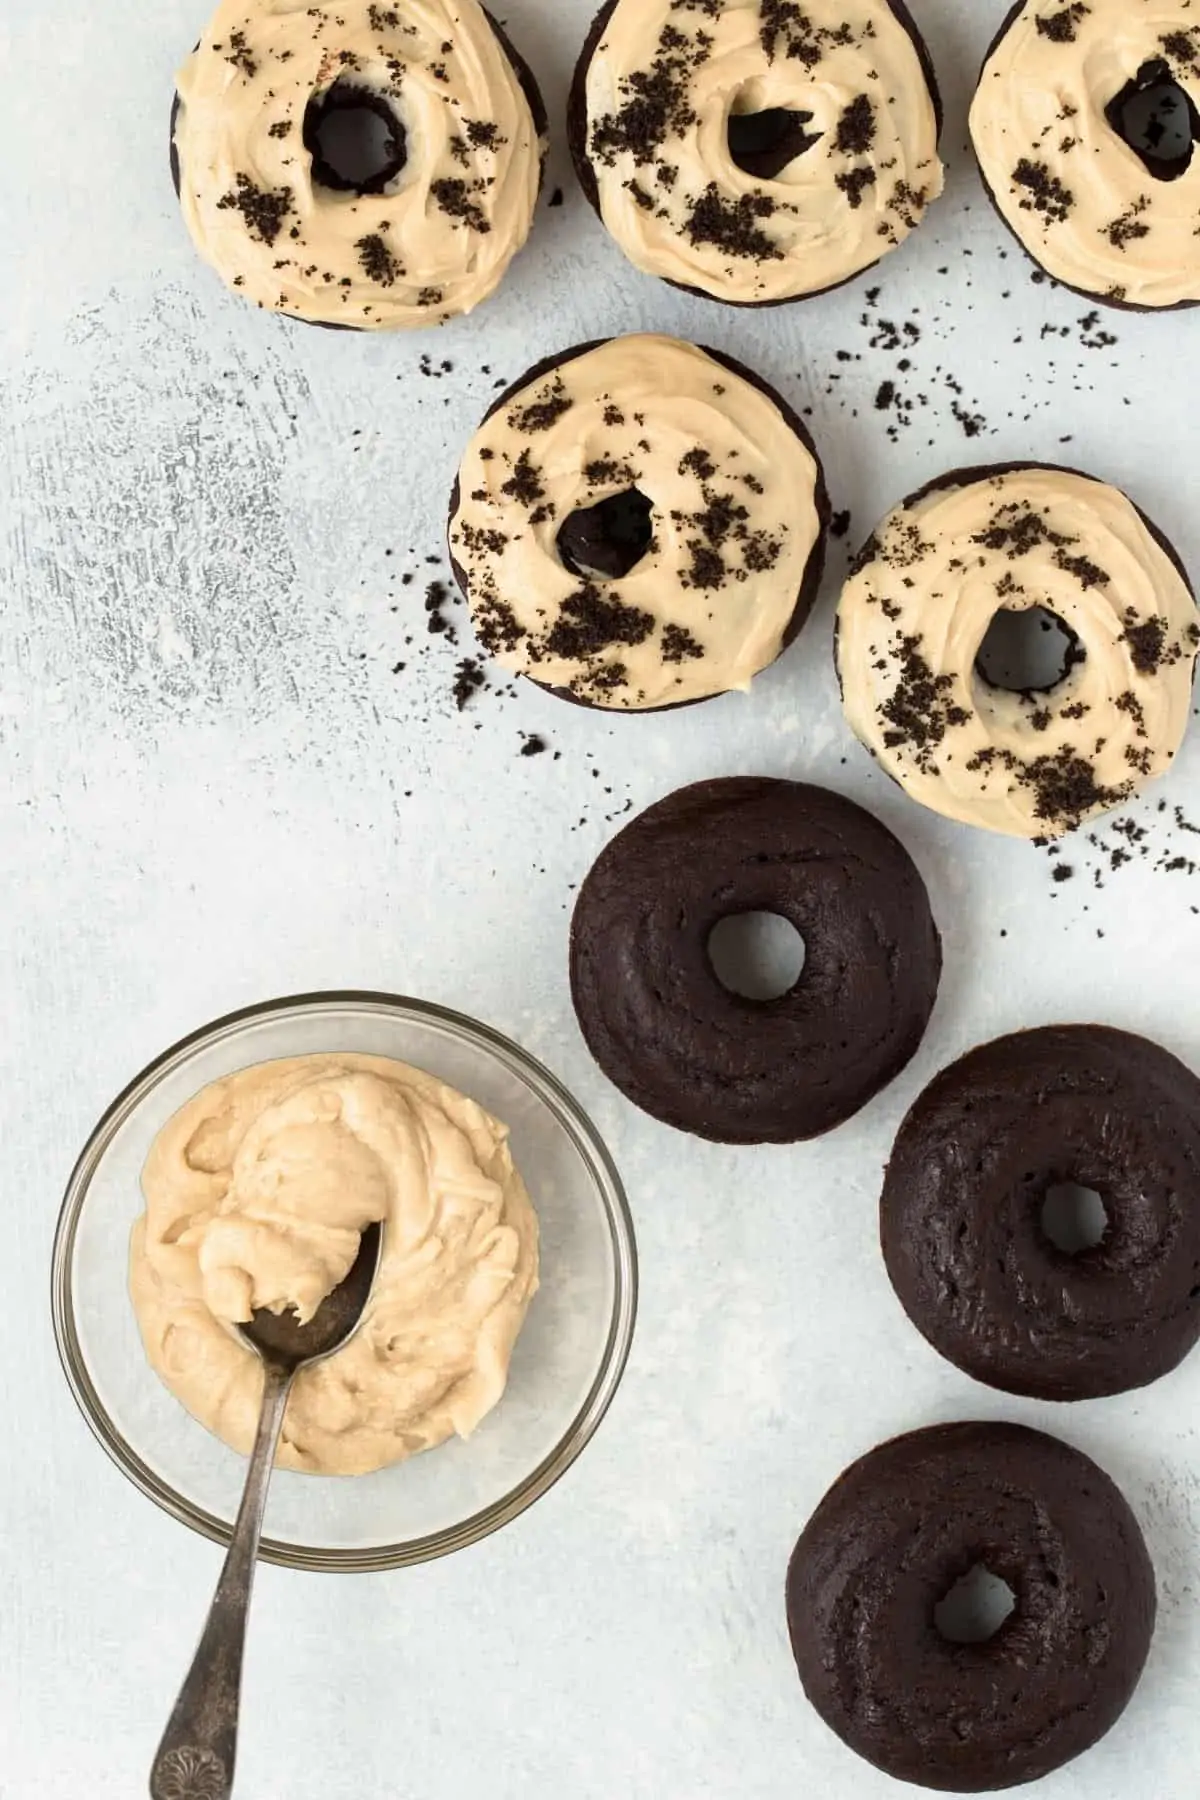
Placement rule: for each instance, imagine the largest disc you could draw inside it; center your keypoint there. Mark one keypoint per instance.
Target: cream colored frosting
(832, 212)
(735, 523)
(914, 615)
(257, 1192)
(432, 246)
(1080, 199)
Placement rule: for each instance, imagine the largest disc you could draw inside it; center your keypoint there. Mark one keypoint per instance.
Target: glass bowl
(568, 1360)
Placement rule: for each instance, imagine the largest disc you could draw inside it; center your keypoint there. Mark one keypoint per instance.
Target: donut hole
(762, 142)
(1074, 1218)
(610, 538)
(1027, 651)
(757, 955)
(1156, 117)
(356, 142)
(975, 1608)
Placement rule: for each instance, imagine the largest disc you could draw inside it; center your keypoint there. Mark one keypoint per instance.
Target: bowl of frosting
(238, 1172)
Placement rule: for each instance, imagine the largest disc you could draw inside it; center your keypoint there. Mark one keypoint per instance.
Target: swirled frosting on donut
(440, 236)
(257, 1192)
(918, 606)
(738, 519)
(1082, 201)
(661, 86)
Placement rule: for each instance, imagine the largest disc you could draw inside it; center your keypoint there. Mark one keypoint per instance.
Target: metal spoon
(195, 1759)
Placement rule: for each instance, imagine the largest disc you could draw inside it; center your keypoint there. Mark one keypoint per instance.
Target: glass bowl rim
(587, 1142)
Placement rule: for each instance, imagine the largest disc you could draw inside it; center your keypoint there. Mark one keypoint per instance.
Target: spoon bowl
(280, 1339)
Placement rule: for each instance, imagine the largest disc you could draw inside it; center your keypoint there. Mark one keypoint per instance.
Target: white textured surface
(214, 789)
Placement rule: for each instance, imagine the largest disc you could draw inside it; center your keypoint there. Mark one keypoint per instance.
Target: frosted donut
(422, 237)
(756, 151)
(920, 600)
(1083, 125)
(639, 523)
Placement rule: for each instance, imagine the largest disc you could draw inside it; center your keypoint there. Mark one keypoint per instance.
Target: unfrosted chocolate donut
(960, 1217)
(889, 1541)
(683, 1047)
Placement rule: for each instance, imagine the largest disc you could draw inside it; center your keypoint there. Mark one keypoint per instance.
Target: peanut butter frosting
(663, 84)
(437, 239)
(257, 1192)
(916, 610)
(1095, 212)
(736, 507)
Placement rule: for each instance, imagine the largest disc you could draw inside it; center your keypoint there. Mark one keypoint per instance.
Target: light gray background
(214, 789)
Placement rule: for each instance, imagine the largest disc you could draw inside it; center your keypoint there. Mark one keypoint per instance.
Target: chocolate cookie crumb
(707, 569)
(729, 225)
(497, 626)
(784, 23)
(1130, 226)
(452, 196)
(699, 463)
(1047, 195)
(239, 54)
(917, 710)
(590, 622)
(469, 678)
(437, 595)
(655, 104)
(541, 414)
(854, 184)
(1147, 643)
(678, 645)
(524, 484)
(1066, 789)
(263, 209)
(1059, 27)
(1017, 529)
(1182, 46)
(377, 260)
(856, 127)
(1087, 573)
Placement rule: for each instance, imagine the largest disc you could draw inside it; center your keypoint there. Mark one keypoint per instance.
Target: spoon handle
(196, 1756)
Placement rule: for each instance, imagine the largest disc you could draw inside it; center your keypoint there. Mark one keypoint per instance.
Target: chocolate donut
(684, 1048)
(638, 524)
(919, 603)
(408, 243)
(960, 1218)
(890, 1540)
(758, 153)
(1084, 126)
